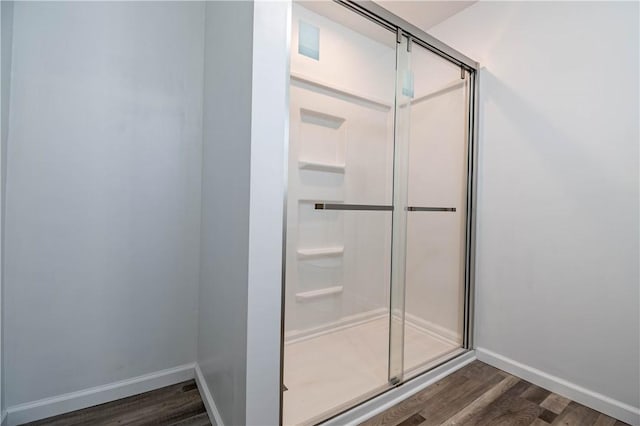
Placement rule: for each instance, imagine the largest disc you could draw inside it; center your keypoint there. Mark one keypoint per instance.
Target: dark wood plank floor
(479, 394)
(177, 405)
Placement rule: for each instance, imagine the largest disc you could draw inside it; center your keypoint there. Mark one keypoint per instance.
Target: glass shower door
(377, 224)
(339, 211)
(433, 165)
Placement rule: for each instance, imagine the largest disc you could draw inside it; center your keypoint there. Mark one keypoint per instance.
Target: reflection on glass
(376, 211)
(338, 261)
(436, 227)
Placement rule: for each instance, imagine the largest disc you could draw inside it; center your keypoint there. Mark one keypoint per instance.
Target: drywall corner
(269, 135)
(226, 156)
(209, 403)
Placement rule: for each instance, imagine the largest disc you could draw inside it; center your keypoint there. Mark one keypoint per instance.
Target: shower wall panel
(341, 151)
(435, 240)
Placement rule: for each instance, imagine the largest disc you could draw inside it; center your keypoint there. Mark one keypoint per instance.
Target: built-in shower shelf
(321, 167)
(315, 294)
(320, 252)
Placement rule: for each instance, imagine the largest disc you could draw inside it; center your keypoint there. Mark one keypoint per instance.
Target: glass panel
(338, 355)
(338, 262)
(436, 222)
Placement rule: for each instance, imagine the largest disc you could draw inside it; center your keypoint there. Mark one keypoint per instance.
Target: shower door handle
(340, 206)
(431, 209)
(378, 207)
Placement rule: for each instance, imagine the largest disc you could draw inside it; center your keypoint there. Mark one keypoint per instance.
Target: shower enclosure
(379, 222)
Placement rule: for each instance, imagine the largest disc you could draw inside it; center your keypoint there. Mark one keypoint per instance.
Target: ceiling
(424, 14)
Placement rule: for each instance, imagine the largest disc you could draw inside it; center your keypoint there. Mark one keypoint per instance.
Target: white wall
(558, 250)
(269, 133)
(117, 138)
(103, 194)
(6, 25)
(222, 318)
(243, 176)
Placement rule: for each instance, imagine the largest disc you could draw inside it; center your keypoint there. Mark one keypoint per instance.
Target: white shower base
(329, 370)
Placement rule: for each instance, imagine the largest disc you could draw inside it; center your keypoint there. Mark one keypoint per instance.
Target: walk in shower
(379, 207)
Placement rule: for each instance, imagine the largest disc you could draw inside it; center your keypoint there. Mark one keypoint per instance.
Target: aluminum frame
(472, 197)
(377, 13)
(383, 17)
(285, 201)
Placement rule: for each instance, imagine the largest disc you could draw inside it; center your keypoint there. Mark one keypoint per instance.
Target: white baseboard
(387, 400)
(295, 336)
(209, 403)
(41, 409)
(597, 401)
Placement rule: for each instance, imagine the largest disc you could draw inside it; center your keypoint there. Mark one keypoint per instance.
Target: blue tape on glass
(309, 40)
(407, 84)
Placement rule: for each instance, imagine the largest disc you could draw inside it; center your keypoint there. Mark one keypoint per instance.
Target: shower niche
(378, 210)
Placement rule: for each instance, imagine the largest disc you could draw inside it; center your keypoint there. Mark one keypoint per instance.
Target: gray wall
(222, 342)
(103, 193)
(6, 11)
(558, 232)
(7, 44)
(269, 137)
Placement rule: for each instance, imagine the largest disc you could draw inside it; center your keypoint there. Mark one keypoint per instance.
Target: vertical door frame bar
(472, 174)
(285, 206)
(397, 287)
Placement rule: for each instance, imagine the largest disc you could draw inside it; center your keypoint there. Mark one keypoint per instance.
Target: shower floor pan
(325, 372)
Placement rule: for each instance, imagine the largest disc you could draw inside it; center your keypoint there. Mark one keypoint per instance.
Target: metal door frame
(394, 23)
